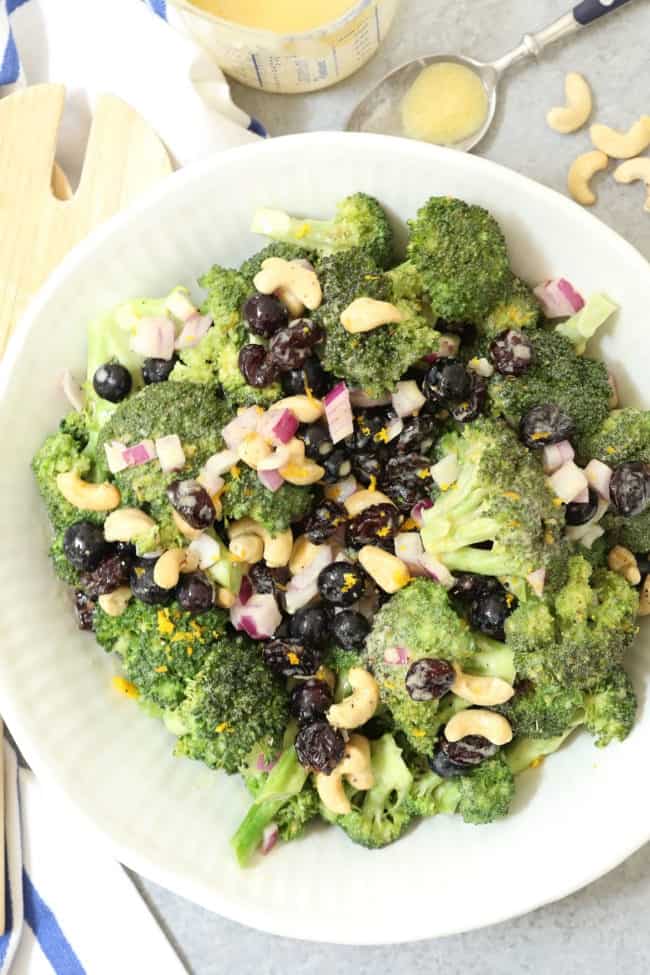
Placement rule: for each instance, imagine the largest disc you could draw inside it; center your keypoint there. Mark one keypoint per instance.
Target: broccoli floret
(462, 257)
(633, 533)
(558, 375)
(359, 225)
(418, 619)
(422, 794)
(245, 496)
(543, 710)
(500, 496)
(288, 252)
(610, 711)
(482, 795)
(380, 815)
(518, 309)
(376, 360)
(623, 436)
(578, 636)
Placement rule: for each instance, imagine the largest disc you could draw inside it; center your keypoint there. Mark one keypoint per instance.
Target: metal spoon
(379, 111)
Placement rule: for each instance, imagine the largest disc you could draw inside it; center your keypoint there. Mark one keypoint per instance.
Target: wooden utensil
(40, 220)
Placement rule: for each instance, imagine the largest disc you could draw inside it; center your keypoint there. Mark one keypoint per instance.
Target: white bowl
(170, 819)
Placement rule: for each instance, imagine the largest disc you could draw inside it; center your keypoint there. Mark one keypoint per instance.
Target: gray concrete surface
(603, 928)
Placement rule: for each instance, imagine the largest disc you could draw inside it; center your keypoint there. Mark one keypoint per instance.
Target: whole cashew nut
(300, 280)
(86, 495)
(356, 767)
(580, 174)
(573, 115)
(632, 170)
(360, 705)
(167, 570)
(306, 409)
(484, 691)
(277, 548)
(247, 548)
(622, 145)
(303, 554)
(475, 721)
(366, 314)
(126, 524)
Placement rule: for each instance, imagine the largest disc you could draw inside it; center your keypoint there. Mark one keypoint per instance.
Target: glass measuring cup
(291, 63)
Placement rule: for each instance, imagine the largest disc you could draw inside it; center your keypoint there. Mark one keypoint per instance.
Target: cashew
(361, 500)
(247, 548)
(580, 174)
(85, 494)
(185, 528)
(356, 767)
(304, 473)
(577, 110)
(125, 524)
(293, 304)
(277, 548)
(622, 145)
(253, 449)
(476, 721)
(225, 598)
(484, 691)
(167, 570)
(303, 554)
(632, 170)
(300, 280)
(366, 314)
(360, 705)
(644, 602)
(114, 603)
(623, 562)
(389, 572)
(306, 409)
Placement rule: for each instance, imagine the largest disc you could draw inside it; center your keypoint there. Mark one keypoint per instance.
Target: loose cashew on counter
(360, 705)
(580, 174)
(277, 548)
(573, 115)
(356, 767)
(632, 170)
(85, 495)
(622, 145)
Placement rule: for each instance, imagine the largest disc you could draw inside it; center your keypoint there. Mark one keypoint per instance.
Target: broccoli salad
(371, 533)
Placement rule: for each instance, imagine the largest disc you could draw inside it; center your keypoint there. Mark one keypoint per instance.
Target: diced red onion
(417, 511)
(536, 581)
(245, 422)
(170, 453)
(436, 570)
(72, 391)
(272, 480)
(482, 367)
(599, 476)
(259, 617)
(558, 298)
(139, 453)
(207, 549)
(270, 837)
(220, 463)
(179, 305)
(555, 455)
(359, 398)
(154, 338)
(397, 656)
(114, 451)
(277, 426)
(568, 481)
(445, 472)
(408, 548)
(393, 428)
(583, 497)
(193, 331)
(245, 590)
(303, 588)
(338, 412)
(262, 765)
(407, 398)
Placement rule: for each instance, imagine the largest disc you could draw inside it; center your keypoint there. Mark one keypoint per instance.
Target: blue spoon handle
(590, 10)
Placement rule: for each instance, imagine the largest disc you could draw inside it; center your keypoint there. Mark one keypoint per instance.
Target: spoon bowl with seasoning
(450, 99)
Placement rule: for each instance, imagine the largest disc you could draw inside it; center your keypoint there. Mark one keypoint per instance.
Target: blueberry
(84, 545)
(350, 629)
(320, 747)
(323, 521)
(406, 480)
(429, 678)
(317, 440)
(112, 382)
(143, 586)
(643, 562)
(292, 346)
(269, 581)
(545, 424)
(310, 700)
(311, 375)
(369, 432)
(265, 314)
(442, 765)
(337, 465)
(342, 583)
(469, 586)
(192, 502)
(489, 611)
(447, 381)
(417, 435)
(157, 370)
(579, 512)
(629, 488)
(256, 367)
(511, 352)
(195, 592)
(310, 626)
(472, 406)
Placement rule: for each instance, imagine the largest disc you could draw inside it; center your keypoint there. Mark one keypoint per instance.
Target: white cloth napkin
(71, 910)
(123, 48)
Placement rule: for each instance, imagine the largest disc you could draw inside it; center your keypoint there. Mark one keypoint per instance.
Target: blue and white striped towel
(71, 910)
(121, 47)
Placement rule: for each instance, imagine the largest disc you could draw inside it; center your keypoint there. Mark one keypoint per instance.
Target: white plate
(576, 818)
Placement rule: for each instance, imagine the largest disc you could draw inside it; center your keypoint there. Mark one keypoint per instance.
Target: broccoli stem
(494, 659)
(285, 781)
(484, 562)
(524, 752)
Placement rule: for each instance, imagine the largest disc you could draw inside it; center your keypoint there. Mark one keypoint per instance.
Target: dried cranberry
(310, 700)
(366, 466)
(292, 346)
(373, 525)
(629, 488)
(290, 658)
(320, 747)
(195, 593)
(471, 407)
(369, 432)
(256, 366)
(470, 751)
(324, 520)
(545, 424)
(429, 678)
(192, 502)
(111, 573)
(511, 352)
(418, 434)
(265, 314)
(84, 608)
(407, 480)
(447, 381)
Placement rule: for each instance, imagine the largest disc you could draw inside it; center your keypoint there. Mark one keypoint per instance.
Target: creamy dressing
(446, 103)
(280, 16)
